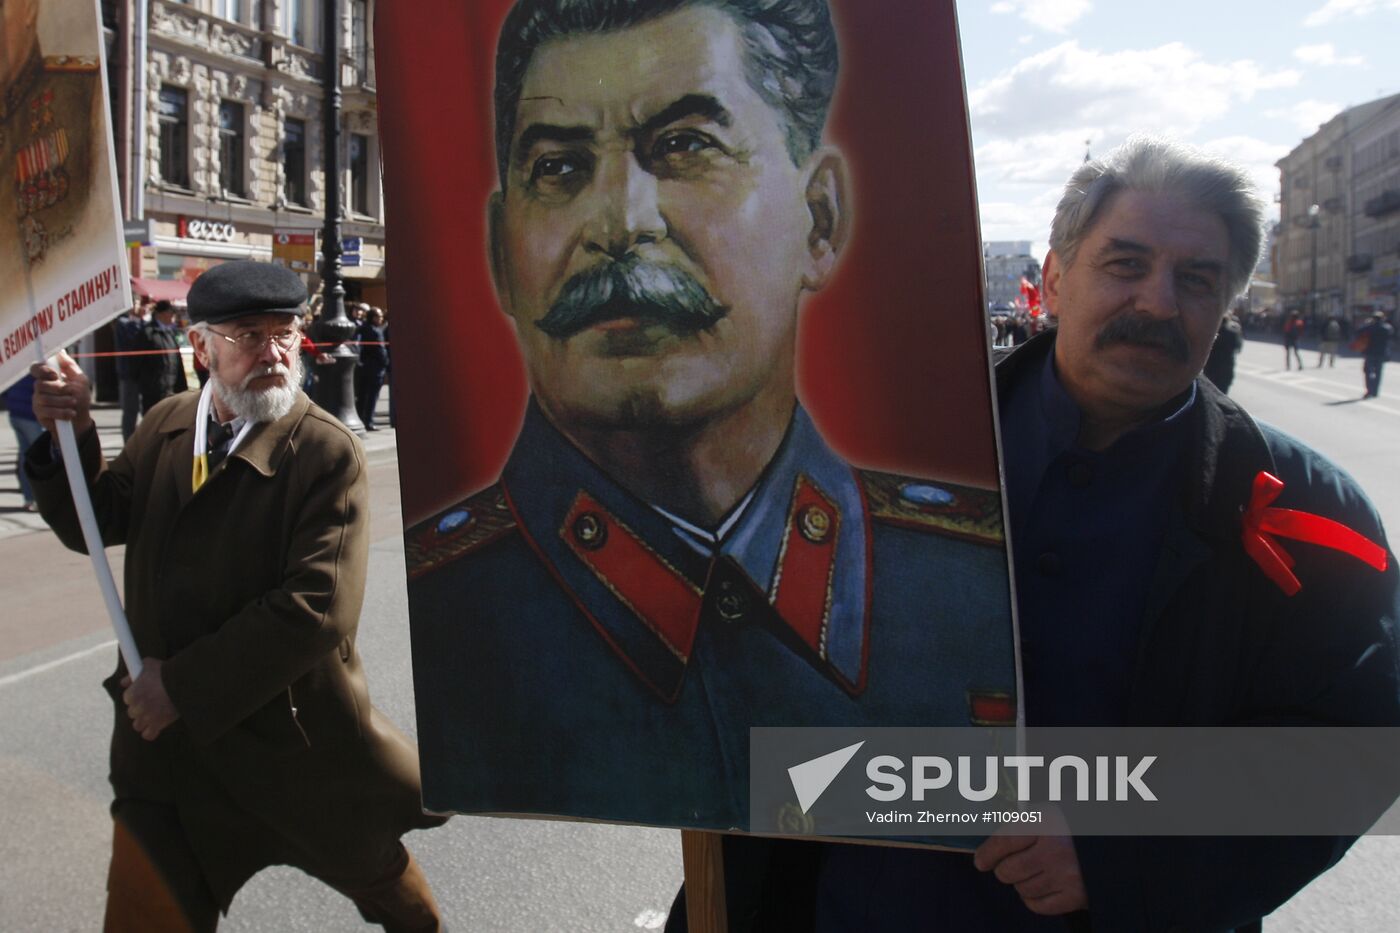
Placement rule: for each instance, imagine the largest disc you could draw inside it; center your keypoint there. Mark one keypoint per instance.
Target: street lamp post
(335, 390)
(1313, 223)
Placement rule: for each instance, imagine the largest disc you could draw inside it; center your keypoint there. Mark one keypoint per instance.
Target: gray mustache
(631, 287)
(1146, 332)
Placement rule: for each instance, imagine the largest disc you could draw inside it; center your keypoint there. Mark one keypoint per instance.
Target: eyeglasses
(251, 342)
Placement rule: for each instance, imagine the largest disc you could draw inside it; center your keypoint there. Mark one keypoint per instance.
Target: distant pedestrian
(19, 402)
(374, 363)
(129, 337)
(1220, 365)
(162, 374)
(1292, 333)
(1331, 337)
(1374, 342)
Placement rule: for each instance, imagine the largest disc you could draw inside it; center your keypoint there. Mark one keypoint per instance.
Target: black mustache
(631, 287)
(1146, 332)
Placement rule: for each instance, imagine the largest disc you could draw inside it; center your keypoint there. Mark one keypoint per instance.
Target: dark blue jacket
(573, 655)
(1222, 645)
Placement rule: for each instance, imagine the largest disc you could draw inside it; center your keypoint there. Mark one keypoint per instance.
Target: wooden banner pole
(703, 859)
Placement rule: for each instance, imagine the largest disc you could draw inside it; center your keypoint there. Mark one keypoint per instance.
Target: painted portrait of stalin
(49, 120)
(673, 554)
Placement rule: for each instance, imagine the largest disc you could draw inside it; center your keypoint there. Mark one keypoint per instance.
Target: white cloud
(1028, 175)
(1324, 53)
(1025, 40)
(1307, 115)
(1068, 89)
(1050, 15)
(1337, 9)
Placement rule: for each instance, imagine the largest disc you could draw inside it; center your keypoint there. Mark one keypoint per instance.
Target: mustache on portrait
(632, 287)
(1146, 332)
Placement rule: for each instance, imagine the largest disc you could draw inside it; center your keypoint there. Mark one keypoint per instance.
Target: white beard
(261, 404)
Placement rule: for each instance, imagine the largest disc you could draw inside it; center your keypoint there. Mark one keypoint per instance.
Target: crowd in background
(153, 360)
(1012, 330)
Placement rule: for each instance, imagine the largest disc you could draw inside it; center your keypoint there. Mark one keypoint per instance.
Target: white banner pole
(87, 518)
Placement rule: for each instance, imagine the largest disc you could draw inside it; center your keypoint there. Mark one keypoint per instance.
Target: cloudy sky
(1247, 79)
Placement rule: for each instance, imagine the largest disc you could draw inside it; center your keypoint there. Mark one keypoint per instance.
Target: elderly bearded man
(249, 739)
(1129, 477)
(673, 554)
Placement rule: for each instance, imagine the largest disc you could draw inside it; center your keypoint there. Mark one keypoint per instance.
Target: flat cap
(242, 288)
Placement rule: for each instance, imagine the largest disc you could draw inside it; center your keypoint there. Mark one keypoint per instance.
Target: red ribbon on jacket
(1262, 522)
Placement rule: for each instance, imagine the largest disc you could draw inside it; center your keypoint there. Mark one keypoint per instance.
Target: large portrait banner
(695, 416)
(62, 254)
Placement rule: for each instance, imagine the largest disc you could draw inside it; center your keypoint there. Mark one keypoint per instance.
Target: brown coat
(250, 590)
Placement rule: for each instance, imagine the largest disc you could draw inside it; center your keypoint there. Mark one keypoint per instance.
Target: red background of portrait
(892, 354)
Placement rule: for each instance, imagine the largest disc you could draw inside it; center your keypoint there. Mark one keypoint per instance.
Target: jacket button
(731, 605)
(1048, 563)
(590, 531)
(815, 524)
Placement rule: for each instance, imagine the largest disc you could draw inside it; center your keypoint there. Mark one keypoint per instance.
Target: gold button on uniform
(589, 531)
(815, 524)
(731, 604)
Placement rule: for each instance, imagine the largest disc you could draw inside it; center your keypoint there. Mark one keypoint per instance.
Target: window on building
(231, 155)
(294, 161)
(359, 173)
(174, 136)
(229, 9)
(359, 36)
(301, 22)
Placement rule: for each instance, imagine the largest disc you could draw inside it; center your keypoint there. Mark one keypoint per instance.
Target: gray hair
(1160, 166)
(791, 61)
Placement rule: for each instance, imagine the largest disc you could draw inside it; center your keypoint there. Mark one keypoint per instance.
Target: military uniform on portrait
(48, 117)
(583, 652)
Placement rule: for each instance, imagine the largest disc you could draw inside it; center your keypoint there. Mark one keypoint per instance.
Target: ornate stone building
(225, 139)
(1337, 243)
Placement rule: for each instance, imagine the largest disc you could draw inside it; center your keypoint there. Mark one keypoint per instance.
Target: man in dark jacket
(373, 338)
(129, 336)
(1220, 365)
(1128, 477)
(161, 374)
(248, 738)
(1375, 340)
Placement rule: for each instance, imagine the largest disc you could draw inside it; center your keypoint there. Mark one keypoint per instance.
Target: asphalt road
(489, 874)
(55, 834)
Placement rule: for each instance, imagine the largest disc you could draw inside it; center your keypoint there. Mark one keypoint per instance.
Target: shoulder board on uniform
(472, 523)
(70, 63)
(933, 505)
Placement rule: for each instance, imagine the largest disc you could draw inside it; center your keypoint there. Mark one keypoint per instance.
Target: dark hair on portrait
(791, 45)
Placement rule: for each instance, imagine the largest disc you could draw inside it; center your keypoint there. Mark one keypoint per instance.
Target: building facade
(225, 131)
(1005, 263)
(1338, 233)
(1373, 262)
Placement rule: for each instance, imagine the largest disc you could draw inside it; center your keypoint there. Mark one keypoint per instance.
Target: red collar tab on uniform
(801, 590)
(656, 592)
(1262, 522)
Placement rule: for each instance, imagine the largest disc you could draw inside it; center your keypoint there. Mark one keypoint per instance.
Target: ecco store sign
(211, 230)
